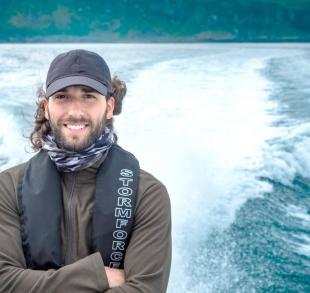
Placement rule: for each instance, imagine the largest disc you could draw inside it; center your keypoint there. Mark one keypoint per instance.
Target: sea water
(226, 127)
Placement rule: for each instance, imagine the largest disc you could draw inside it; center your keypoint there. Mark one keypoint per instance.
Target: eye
(89, 97)
(61, 97)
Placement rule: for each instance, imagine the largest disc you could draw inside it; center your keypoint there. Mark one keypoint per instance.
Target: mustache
(74, 120)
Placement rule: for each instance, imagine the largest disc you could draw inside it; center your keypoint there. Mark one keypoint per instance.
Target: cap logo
(77, 60)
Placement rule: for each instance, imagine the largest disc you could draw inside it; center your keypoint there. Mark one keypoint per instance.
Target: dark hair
(42, 125)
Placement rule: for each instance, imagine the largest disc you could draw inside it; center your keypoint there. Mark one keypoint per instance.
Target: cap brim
(61, 83)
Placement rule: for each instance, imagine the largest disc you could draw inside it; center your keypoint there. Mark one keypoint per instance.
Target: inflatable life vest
(40, 207)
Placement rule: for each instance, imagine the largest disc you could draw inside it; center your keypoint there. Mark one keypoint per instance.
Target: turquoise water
(226, 127)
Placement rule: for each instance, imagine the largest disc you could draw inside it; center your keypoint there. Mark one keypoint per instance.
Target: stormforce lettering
(123, 212)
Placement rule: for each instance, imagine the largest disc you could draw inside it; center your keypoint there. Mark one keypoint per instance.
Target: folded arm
(147, 260)
(148, 256)
(85, 275)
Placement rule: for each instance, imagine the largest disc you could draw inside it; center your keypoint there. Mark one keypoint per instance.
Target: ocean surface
(226, 127)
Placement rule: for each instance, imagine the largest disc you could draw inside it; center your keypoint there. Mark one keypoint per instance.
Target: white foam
(299, 242)
(12, 143)
(300, 213)
(289, 154)
(200, 128)
(303, 248)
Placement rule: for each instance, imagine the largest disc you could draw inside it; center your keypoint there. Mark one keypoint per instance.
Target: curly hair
(42, 125)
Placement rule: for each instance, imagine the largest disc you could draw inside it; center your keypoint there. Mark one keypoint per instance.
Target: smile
(75, 127)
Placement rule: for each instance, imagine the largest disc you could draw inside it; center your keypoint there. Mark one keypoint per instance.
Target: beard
(77, 144)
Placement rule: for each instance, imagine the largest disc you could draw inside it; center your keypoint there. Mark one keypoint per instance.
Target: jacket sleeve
(148, 256)
(85, 275)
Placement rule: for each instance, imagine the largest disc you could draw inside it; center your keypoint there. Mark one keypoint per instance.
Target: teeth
(75, 127)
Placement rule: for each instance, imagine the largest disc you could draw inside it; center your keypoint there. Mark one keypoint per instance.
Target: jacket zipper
(70, 224)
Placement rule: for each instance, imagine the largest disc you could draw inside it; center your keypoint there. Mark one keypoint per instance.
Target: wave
(11, 142)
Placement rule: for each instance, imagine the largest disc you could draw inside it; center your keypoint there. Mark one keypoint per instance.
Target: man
(81, 216)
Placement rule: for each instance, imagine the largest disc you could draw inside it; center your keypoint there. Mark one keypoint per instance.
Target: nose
(75, 107)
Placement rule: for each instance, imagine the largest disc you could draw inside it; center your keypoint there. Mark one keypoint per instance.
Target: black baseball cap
(78, 67)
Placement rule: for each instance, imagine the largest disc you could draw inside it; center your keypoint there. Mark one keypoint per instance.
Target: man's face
(77, 116)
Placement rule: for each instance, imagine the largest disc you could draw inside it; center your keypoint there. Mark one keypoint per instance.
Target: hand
(116, 277)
